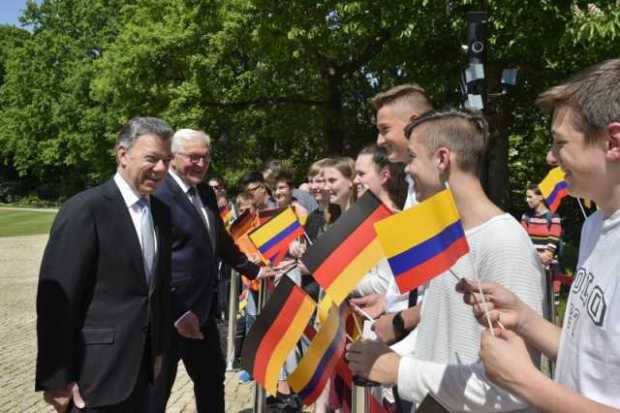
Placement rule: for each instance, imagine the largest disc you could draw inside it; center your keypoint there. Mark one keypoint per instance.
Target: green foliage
(267, 79)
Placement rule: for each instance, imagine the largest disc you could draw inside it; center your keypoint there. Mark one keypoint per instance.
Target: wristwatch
(399, 326)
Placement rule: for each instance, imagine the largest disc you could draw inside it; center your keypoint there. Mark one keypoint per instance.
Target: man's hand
(502, 305)
(188, 326)
(384, 328)
(254, 258)
(265, 272)
(506, 359)
(374, 361)
(373, 304)
(60, 398)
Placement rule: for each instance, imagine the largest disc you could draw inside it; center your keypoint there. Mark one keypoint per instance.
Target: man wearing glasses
(199, 241)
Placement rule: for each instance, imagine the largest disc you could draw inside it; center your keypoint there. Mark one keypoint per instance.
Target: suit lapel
(186, 204)
(124, 230)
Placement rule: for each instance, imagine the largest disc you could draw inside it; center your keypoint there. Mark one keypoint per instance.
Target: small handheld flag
(243, 224)
(554, 188)
(349, 249)
(275, 332)
(265, 215)
(423, 241)
(273, 237)
(226, 215)
(319, 362)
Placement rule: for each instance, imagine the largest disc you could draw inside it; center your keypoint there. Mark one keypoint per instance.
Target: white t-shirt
(446, 361)
(376, 281)
(589, 353)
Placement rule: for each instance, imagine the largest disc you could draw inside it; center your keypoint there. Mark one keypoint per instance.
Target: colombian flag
(343, 255)
(553, 188)
(277, 329)
(319, 362)
(424, 241)
(342, 384)
(273, 237)
(265, 215)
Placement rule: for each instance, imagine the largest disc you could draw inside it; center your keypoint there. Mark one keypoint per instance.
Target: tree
(53, 132)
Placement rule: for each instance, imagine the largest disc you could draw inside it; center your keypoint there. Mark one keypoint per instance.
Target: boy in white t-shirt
(586, 144)
(447, 147)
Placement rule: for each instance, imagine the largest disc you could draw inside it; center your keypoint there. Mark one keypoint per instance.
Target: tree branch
(264, 101)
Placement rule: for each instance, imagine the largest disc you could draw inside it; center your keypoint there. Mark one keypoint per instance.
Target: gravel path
(20, 258)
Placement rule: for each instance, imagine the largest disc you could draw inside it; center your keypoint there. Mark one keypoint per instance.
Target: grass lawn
(15, 223)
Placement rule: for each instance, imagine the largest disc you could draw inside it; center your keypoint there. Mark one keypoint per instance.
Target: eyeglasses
(254, 188)
(216, 187)
(194, 158)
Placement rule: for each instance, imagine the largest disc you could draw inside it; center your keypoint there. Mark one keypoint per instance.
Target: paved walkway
(19, 265)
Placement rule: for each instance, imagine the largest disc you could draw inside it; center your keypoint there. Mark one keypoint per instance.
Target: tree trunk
(495, 174)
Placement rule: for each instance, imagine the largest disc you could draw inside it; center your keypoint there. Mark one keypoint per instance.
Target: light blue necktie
(148, 239)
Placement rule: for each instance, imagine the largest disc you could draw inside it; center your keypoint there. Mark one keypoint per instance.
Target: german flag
(275, 333)
(243, 224)
(273, 237)
(349, 249)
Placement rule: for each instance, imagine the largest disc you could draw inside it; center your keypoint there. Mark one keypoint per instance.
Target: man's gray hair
(182, 136)
(142, 125)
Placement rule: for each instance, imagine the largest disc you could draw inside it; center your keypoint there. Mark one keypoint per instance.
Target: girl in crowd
(319, 220)
(543, 227)
(374, 172)
(283, 193)
(339, 174)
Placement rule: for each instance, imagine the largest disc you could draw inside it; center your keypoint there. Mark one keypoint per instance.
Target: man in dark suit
(103, 294)
(199, 241)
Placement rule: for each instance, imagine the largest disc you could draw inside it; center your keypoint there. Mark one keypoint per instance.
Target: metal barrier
(233, 310)
(358, 399)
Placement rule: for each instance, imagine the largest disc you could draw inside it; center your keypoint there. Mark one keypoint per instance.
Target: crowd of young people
(472, 337)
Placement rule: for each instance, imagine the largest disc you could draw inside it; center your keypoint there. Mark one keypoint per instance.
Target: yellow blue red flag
(554, 188)
(274, 236)
(423, 241)
(318, 364)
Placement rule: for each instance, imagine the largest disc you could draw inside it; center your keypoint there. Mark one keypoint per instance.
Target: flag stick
(307, 238)
(362, 312)
(454, 274)
(486, 311)
(583, 211)
(357, 325)
(483, 300)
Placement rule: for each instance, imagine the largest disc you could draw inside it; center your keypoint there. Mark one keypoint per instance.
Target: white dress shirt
(185, 188)
(131, 199)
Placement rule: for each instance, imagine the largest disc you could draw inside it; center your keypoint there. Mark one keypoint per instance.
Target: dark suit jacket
(96, 314)
(194, 262)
